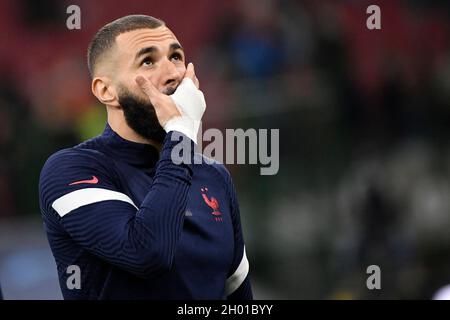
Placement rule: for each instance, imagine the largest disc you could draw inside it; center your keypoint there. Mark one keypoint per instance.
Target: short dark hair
(105, 38)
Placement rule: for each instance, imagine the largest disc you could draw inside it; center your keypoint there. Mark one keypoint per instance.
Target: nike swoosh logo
(94, 180)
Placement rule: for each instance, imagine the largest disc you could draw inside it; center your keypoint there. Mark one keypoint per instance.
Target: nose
(170, 75)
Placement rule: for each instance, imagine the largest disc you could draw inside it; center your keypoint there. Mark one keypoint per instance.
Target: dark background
(364, 128)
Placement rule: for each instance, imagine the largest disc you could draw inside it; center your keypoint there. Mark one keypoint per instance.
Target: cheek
(129, 86)
(181, 68)
(130, 83)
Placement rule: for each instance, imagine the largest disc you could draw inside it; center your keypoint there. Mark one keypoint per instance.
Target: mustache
(170, 90)
(126, 94)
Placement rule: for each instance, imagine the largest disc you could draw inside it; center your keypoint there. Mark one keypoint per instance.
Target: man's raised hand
(183, 110)
(165, 108)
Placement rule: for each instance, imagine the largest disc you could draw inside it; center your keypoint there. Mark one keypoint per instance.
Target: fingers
(197, 83)
(164, 106)
(148, 88)
(190, 73)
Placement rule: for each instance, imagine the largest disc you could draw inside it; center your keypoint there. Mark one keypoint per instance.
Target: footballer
(135, 223)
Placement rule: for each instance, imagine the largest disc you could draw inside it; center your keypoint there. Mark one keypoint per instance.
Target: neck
(116, 121)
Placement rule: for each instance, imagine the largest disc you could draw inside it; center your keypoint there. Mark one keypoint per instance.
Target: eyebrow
(149, 50)
(144, 51)
(174, 46)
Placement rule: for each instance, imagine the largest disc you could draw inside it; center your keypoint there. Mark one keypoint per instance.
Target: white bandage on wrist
(184, 125)
(190, 101)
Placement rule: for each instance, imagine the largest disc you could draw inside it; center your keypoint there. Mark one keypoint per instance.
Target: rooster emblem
(213, 204)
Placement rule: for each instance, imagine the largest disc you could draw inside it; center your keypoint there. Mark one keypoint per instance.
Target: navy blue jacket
(126, 222)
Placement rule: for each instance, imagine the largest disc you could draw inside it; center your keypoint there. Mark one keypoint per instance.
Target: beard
(140, 115)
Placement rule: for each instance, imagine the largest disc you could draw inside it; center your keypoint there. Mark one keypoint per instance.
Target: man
(125, 221)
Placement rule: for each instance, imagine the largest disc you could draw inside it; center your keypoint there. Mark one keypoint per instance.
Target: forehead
(132, 41)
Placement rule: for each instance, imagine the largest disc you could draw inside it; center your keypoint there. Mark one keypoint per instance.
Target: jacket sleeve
(238, 285)
(140, 239)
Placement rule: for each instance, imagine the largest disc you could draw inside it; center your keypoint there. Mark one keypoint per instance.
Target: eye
(147, 62)
(176, 56)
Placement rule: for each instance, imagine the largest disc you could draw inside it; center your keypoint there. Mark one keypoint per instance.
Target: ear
(105, 91)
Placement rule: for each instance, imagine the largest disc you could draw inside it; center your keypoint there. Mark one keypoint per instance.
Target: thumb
(190, 72)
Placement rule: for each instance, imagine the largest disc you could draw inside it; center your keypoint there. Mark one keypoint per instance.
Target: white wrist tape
(190, 101)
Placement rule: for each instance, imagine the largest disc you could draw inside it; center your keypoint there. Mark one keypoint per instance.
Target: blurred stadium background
(364, 119)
